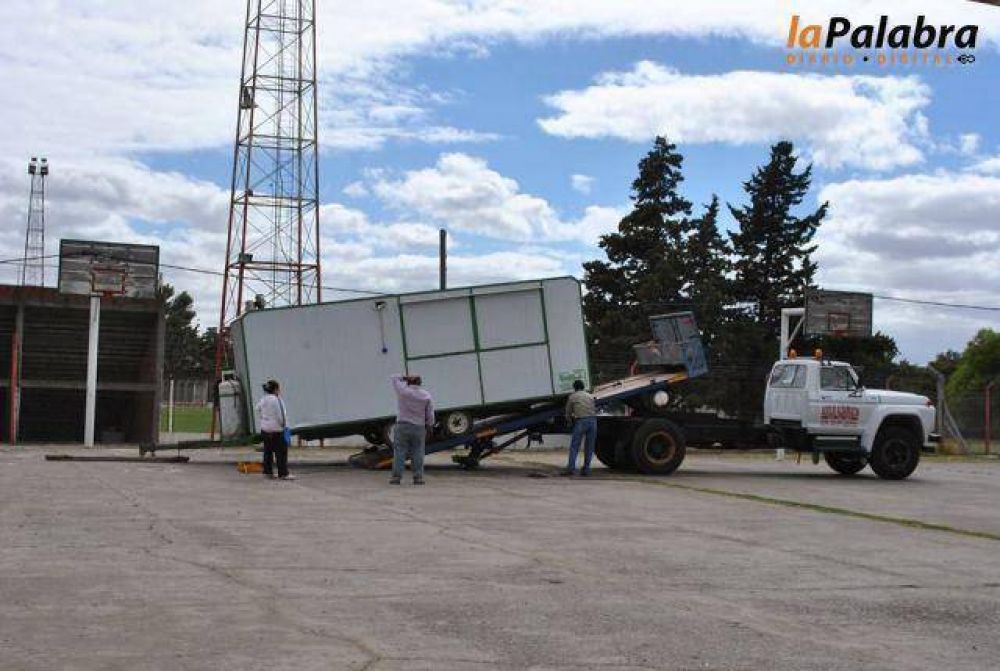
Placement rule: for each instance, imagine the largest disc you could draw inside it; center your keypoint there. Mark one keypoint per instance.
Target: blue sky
(134, 103)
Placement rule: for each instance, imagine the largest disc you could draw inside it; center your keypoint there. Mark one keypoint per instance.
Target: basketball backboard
(841, 313)
(90, 267)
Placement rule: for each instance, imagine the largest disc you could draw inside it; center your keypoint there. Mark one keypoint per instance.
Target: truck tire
(455, 423)
(845, 464)
(605, 449)
(895, 454)
(657, 447)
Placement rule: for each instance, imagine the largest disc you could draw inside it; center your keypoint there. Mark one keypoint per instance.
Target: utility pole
(273, 247)
(33, 265)
(443, 259)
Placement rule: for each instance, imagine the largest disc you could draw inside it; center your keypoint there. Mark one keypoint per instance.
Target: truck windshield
(788, 376)
(837, 378)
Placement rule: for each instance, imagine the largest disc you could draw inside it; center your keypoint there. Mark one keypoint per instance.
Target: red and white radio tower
(273, 255)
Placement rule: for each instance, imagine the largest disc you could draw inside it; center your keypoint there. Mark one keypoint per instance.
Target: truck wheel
(658, 447)
(456, 423)
(895, 453)
(604, 450)
(845, 464)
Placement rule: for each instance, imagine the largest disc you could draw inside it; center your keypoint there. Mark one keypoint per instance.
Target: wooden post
(987, 411)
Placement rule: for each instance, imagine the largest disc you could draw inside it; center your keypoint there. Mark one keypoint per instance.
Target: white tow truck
(818, 406)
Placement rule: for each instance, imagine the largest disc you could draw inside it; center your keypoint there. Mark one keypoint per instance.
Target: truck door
(840, 408)
(786, 393)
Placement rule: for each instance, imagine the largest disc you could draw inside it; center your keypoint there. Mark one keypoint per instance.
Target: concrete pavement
(194, 566)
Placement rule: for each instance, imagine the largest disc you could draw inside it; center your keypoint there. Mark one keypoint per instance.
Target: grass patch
(188, 419)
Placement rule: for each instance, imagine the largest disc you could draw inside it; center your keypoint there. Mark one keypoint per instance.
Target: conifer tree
(772, 245)
(646, 264)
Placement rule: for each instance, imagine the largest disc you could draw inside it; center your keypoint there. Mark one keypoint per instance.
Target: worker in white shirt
(273, 422)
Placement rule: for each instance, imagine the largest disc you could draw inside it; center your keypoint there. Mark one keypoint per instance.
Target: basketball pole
(92, 338)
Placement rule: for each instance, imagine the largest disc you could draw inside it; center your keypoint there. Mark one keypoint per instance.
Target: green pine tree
(773, 244)
(646, 266)
(708, 286)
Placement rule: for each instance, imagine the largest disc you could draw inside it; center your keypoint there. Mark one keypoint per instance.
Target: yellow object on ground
(250, 467)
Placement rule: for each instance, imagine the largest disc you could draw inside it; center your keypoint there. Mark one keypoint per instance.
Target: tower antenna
(33, 265)
(272, 252)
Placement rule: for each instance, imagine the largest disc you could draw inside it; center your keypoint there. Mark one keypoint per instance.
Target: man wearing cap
(273, 423)
(414, 420)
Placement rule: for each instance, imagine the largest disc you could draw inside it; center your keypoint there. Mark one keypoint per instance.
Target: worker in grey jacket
(581, 412)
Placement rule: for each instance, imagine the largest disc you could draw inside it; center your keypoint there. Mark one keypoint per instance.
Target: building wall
(50, 347)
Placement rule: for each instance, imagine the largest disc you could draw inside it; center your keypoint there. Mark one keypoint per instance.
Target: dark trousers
(275, 448)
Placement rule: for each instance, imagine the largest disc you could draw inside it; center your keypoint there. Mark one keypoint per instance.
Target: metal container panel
(438, 327)
(568, 346)
(452, 380)
(512, 374)
(510, 319)
(327, 357)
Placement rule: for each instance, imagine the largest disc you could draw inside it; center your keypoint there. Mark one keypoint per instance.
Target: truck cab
(819, 406)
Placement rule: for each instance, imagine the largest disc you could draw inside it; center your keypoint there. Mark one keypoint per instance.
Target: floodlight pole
(92, 338)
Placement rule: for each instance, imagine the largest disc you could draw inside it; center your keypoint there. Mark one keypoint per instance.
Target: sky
(517, 126)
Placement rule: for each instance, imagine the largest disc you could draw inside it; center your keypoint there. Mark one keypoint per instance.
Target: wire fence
(188, 392)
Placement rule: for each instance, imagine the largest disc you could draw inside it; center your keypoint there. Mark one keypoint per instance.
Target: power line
(205, 271)
(201, 271)
(940, 304)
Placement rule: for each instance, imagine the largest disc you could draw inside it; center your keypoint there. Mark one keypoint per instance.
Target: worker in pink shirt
(414, 422)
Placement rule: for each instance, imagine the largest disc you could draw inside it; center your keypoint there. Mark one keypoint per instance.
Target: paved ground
(162, 566)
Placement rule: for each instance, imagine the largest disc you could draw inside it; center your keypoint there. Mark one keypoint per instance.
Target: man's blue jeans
(584, 428)
(408, 441)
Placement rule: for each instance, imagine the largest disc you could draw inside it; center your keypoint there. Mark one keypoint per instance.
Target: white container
(481, 349)
(231, 410)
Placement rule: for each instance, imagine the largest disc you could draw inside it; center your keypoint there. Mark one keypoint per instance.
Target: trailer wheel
(845, 464)
(895, 454)
(456, 423)
(658, 447)
(373, 434)
(388, 433)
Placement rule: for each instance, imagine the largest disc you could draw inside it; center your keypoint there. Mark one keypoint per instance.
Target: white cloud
(872, 122)
(922, 236)
(968, 143)
(355, 189)
(988, 165)
(463, 193)
(143, 74)
(582, 183)
(414, 272)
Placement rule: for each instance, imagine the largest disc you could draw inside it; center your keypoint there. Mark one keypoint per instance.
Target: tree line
(665, 256)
